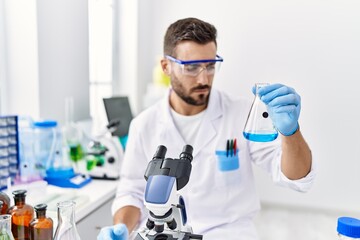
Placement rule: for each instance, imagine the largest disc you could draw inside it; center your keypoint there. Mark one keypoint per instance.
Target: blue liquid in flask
(259, 126)
(255, 137)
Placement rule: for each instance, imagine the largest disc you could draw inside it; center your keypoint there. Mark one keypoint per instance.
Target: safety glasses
(194, 67)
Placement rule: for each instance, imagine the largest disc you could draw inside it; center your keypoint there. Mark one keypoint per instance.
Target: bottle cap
(40, 207)
(19, 193)
(45, 124)
(349, 227)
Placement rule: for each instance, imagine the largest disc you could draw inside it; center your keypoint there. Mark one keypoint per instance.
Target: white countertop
(88, 198)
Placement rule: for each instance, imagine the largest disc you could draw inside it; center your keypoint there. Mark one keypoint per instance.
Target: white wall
(44, 58)
(128, 71)
(312, 45)
(20, 55)
(2, 59)
(63, 34)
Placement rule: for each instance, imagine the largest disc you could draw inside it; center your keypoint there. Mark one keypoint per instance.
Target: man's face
(194, 90)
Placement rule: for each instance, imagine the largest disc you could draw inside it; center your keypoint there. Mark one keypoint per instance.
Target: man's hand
(116, 232)
(284, 105)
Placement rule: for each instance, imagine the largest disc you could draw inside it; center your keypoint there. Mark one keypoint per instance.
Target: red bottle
(22, 214)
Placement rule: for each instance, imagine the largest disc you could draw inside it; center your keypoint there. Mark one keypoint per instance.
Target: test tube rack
(9, 149)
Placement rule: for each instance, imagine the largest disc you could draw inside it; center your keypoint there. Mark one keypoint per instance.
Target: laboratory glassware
(41, 227)
(29, 170)
(72, 133)
(5, 227)
(66, 228)
(259, 126)
(47, 143)
(4, 198)
(21, 214)
(348, 228)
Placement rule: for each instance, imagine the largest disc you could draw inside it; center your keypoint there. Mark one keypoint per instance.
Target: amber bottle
(6, 203)
(22, 214)
(41, 227)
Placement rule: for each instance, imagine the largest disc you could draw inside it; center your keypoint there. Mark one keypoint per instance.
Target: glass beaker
(66, 228)
(259, 126)
(5, 229)
(46, 144)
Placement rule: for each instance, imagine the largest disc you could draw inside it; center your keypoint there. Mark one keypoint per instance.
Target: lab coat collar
(208, 128)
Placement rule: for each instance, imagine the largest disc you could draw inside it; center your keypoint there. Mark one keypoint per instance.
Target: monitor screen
(118, 109)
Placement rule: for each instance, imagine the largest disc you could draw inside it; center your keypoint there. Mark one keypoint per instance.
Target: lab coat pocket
(227, 162)
(228, 168)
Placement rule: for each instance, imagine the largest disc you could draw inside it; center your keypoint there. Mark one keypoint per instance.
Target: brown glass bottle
(41, 227)
(22, 214)
(6, 203)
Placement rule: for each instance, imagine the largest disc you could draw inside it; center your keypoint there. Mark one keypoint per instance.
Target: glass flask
(66, 228)
(4, 198)
(22, 214)
(5, 229)
(41, 227)
(259, 126)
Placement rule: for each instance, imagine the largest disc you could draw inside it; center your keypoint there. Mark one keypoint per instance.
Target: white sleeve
(302, 185)
(268, 157)
(130, 191)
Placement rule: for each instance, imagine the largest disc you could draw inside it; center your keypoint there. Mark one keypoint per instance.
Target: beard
(179, 89)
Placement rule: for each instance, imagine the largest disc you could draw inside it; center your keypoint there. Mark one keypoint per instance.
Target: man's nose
(203, 77)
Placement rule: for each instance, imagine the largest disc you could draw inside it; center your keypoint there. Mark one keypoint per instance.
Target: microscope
(167, 218)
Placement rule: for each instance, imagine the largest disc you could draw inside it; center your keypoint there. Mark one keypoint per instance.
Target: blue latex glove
(284, 105)
(116, 232)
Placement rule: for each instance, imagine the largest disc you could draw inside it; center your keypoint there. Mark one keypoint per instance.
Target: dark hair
(191, 29)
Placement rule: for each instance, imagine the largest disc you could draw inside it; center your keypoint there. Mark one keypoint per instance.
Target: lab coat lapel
(208, 128)
(209, 125)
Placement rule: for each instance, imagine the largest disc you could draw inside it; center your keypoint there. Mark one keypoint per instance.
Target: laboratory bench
(93, 203)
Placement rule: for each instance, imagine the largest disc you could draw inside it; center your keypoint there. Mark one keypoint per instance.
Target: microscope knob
(172, 225)
(150, 224)
(159, 228)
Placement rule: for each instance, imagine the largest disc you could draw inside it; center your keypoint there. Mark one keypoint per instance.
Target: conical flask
(5, 227)
(259, 127)
(66, 228)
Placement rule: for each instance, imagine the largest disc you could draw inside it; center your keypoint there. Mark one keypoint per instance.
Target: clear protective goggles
(193, 68)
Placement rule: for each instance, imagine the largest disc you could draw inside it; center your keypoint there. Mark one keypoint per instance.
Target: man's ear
(166, 66)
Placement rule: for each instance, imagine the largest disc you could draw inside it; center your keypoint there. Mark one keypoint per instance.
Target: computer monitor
(118, 109)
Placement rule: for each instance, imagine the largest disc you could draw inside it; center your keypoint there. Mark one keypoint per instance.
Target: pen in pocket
(231, 147)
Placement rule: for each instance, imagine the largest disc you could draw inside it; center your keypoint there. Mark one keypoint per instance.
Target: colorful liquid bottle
(259, 126)
(5, 202)
(5, 227)
(41, 227)
(66, 228)
(21, 214)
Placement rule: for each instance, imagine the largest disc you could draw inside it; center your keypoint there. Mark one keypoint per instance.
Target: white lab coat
(220, 205)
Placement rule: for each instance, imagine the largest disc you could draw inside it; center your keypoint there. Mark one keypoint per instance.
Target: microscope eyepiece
(160, 152)
(187, 152)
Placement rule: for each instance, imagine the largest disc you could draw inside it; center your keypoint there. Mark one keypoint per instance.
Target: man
(220, 204)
